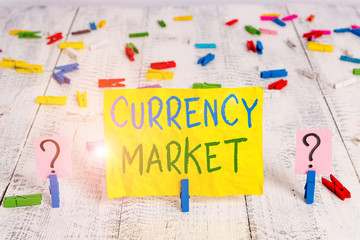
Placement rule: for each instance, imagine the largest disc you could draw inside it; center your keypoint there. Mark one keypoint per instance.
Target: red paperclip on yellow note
(51, 100)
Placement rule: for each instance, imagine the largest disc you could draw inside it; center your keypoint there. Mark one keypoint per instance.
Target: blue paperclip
(274, 73)
(350, 59)
(184, 195)
(54, 191)
(279, 22)
(92, 26)
(206, 59)
(310, 187)
(356, 32)
(259, 47)
(68, 68)
(341, 30)
(205, 45)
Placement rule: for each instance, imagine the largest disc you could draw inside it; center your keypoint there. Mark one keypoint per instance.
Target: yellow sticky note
(271, 15)
(159, 74)
(82, 99)
(101, 24)
(52, 100)
(156, 137)
(73, 45)
(320, 47)
(183, 18)
(15, 32)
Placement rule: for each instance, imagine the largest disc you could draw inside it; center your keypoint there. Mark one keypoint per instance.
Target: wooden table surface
(85, 210)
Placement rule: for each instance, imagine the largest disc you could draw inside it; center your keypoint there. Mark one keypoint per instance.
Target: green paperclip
(356, 71)
(143, 34)
(161, 23)
(206, 85)
(132, 46)
(29, 34)
(24, 200)
(252, 30)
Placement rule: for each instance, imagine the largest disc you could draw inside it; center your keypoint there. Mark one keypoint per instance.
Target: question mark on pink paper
(56, 154)
(318, 142)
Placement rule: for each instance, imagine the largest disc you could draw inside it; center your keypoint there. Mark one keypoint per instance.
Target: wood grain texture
(86, 212)
(19, 90)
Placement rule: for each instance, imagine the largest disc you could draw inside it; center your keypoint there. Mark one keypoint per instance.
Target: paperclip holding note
(52, 156)
(320, 155)
(184, 139)
(51, 100)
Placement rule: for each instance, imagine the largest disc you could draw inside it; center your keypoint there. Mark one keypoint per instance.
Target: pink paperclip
(355, 27)
(267, 31)
(267, 18)
(291, 17)
(152, 86)
(325, 32)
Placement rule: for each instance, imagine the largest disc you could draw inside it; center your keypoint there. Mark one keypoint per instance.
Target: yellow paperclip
(15, 32)
(28, 68)
(101, 24)
(73, 45)
(320, 47)
(183, 18)
(82, 99)
(159, 74)
(52, 100)
(271, 15)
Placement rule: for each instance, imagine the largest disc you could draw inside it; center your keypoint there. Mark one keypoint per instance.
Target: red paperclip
(336, 187)
(129, 53)
(251, 46)
(103, 83)
(314, 34)
(229, 23)
(278, 85)
(54, 38)
(163, 65)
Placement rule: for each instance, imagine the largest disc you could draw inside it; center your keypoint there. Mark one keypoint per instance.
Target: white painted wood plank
(161, 217)
(343, 102)
(19, 90)
(281, 212)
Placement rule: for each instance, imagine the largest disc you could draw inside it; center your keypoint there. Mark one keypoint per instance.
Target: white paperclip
(99, 44)
(308, 74)
(71, 53)
(345, 83)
